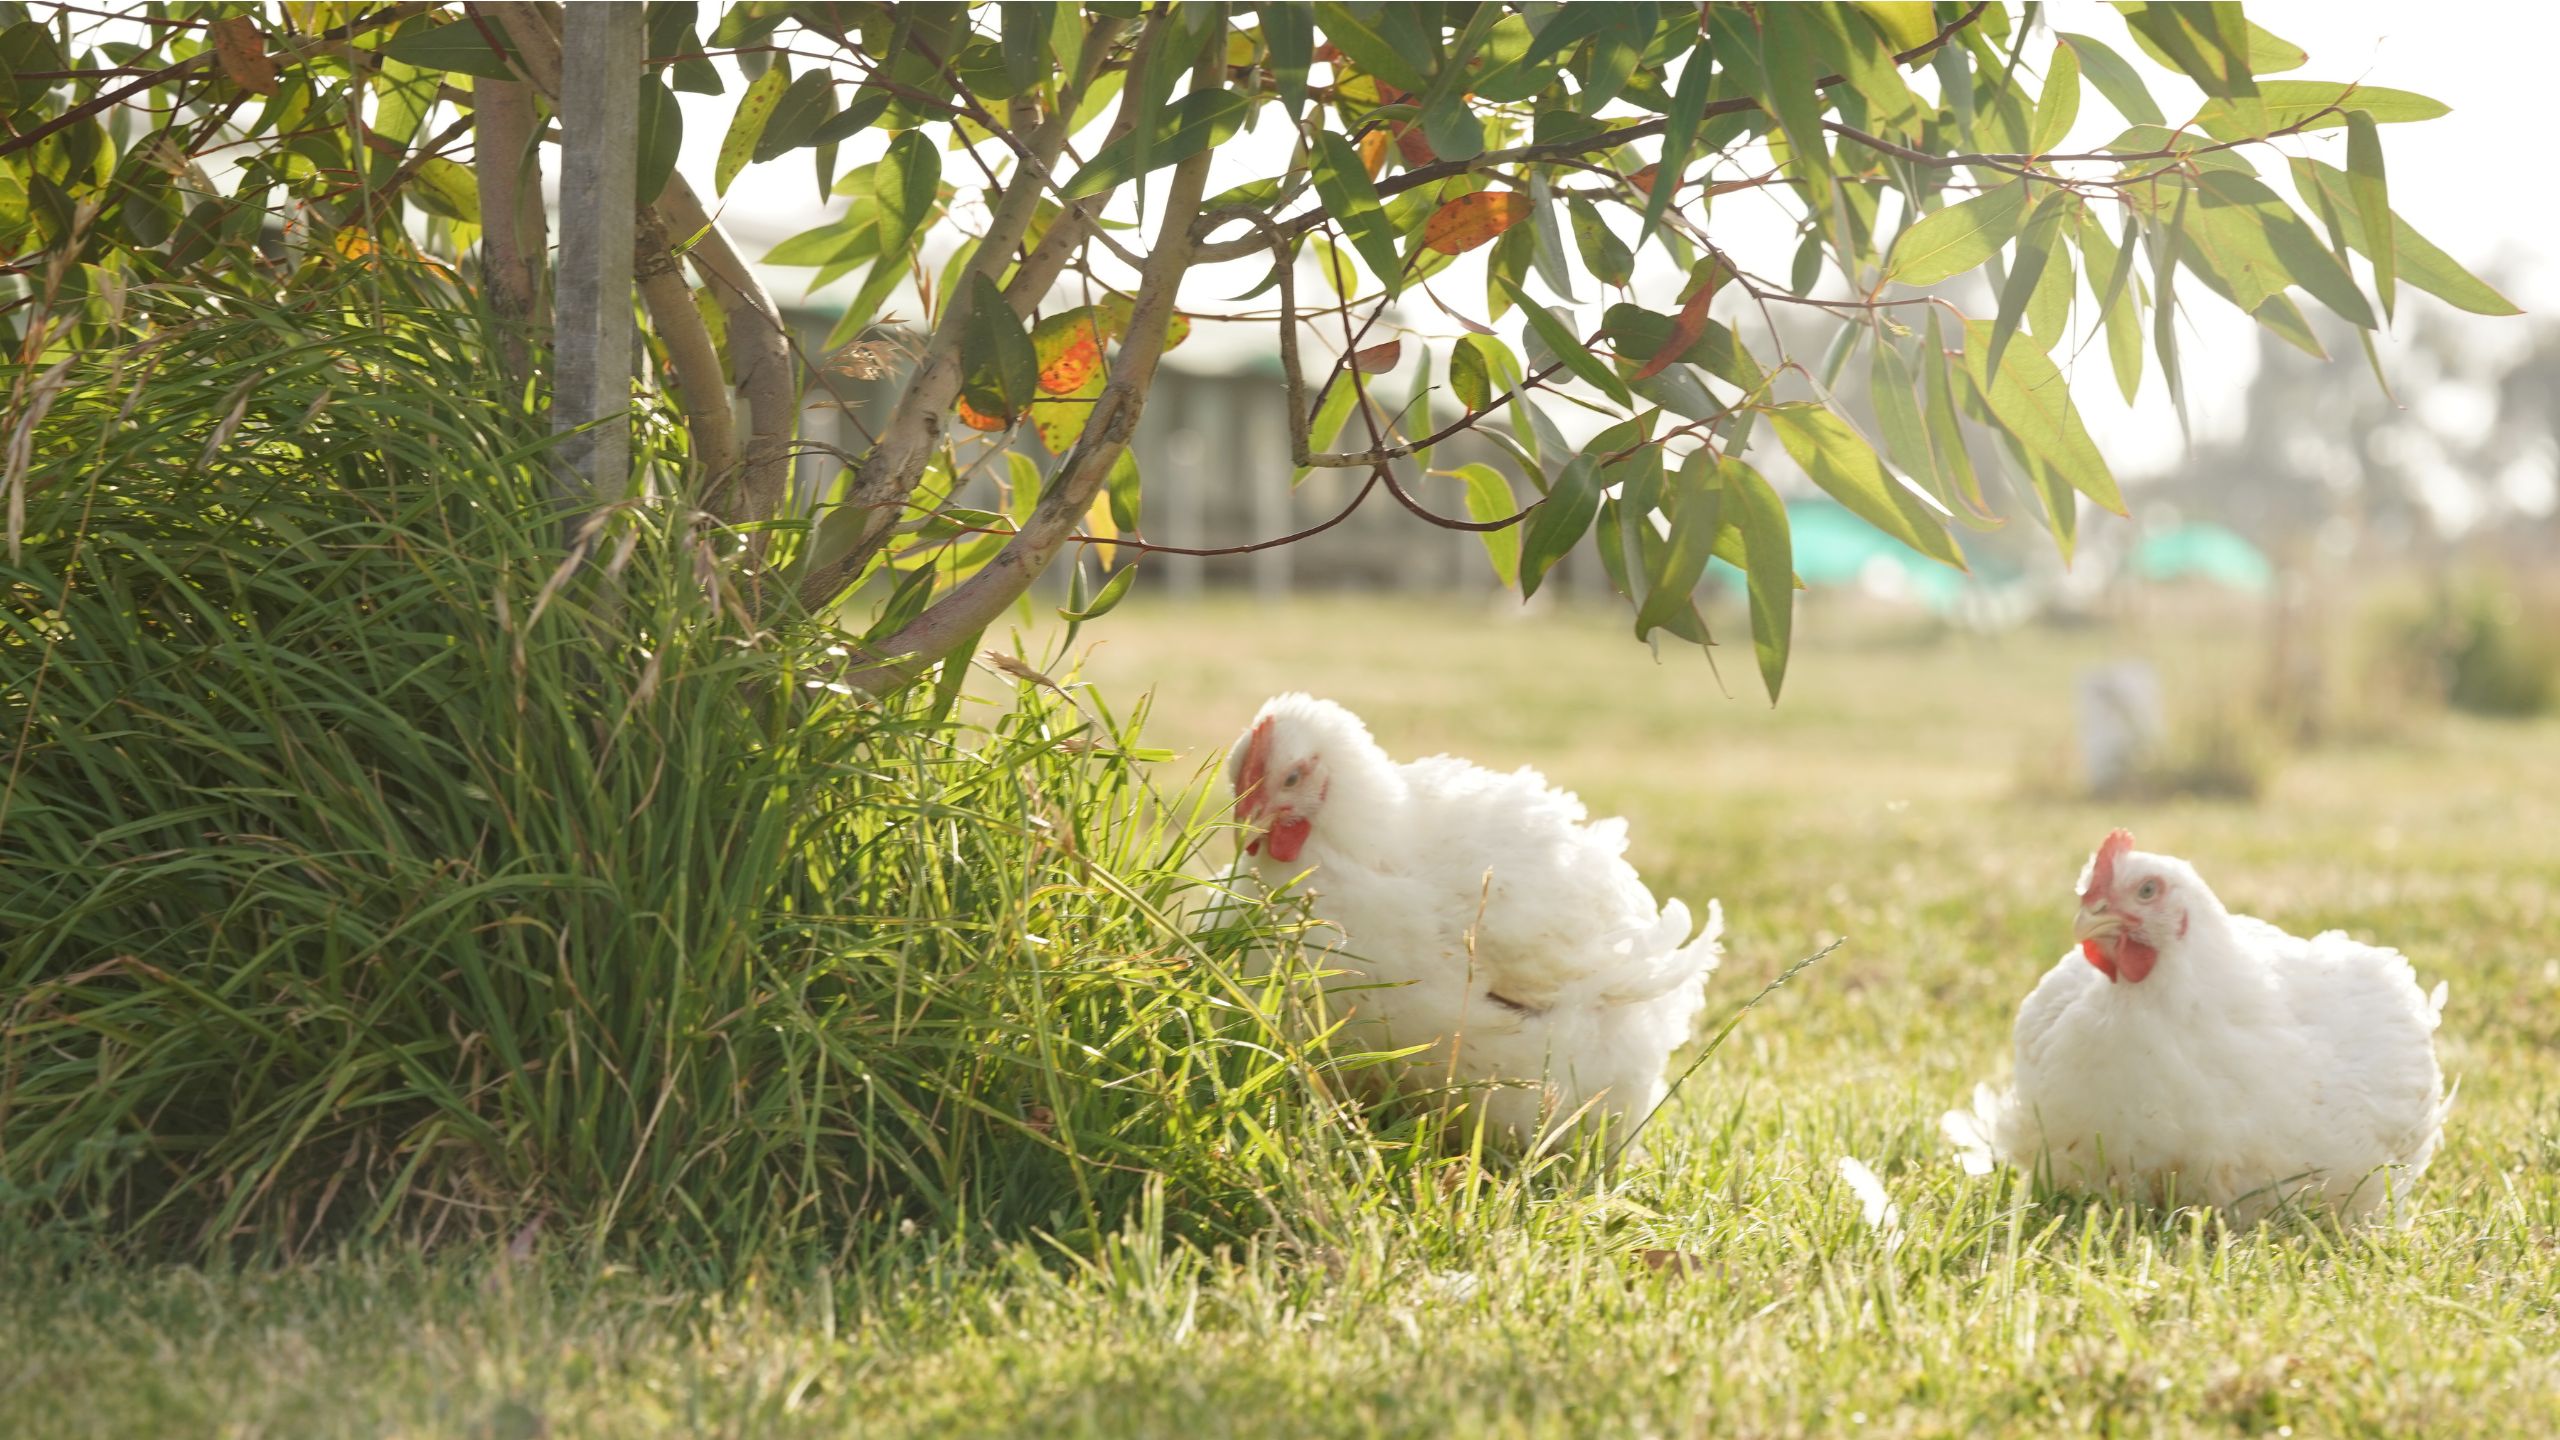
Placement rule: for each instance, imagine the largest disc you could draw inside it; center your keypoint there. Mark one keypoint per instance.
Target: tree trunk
(600, 127)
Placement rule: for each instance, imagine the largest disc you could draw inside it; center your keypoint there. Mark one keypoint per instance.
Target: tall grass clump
(368, 869)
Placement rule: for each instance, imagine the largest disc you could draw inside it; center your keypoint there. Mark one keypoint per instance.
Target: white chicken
(2183, 1053)
(1478, 914)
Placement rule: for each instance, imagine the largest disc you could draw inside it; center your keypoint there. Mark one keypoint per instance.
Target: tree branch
(361, 25)
(959, 616)
(754, 476)
(1438, 170)
(759, 354)
(709, 418)
(888, 472)
(507, 161)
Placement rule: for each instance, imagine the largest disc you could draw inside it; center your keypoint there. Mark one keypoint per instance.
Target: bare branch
(888, 472)
(969, 609)
(759, 354)
(507, 160)
(709, 417)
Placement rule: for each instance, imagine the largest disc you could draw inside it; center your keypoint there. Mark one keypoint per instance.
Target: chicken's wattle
(2128, 960)
(1289, 836)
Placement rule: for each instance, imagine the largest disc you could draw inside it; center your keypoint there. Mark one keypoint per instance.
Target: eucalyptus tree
(1558, 183)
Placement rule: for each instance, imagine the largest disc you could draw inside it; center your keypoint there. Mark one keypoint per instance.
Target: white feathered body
(2252, 1068)
(1484, 916)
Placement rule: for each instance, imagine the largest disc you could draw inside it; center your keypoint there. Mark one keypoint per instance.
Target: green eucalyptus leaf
(1190, 125)
(1958, 238)
(1490, 498)
(1603, 253)
(2060, 104)
(2033, 404)
(1568, 347)
(1694, 503)
(1679, 136)
(1788, 41)
(1561, 520)
(2035, 251)
(808, 102)
(2414, 259)
(1961, 488)
(467, 46)
(2366, 179)
(1357, 31)
(1122, 487)
(1906, 436)
(1288, 28)
(1752, 509)
(906, 185)
(2208, 43)
(1470, 375)
(2306, 105)
(1114, 590)
(2115, 78)
(1343, 185)
(999, 369)
(1547, 238)
(1847, 469)
(661, 138)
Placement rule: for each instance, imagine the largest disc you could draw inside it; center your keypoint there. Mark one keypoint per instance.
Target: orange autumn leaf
(1472, 220)
(1067, 374)
(1643, 179)
(1373, 152)
(977, 421)
(1413, 147)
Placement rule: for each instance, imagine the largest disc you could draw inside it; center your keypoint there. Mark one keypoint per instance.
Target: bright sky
(2455, 179)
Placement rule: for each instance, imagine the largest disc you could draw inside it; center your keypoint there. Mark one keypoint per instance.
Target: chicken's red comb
(1256, 767)
(2102, 866)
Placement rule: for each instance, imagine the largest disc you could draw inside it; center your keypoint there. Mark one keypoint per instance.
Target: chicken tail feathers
(1666, 958)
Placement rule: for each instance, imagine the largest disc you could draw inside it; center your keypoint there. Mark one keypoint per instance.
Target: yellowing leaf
(1069, 348)
(1472, 220)
(747, 126)
(1373, 152)
(1098, 521)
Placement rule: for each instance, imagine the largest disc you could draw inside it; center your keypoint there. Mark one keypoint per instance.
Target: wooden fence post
(600, 135)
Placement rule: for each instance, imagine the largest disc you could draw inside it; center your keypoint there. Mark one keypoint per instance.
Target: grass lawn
(1905, 797)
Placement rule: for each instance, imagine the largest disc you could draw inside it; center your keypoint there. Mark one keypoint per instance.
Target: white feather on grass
(1882, 1215)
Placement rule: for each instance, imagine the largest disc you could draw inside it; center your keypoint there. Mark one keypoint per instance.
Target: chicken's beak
(2108, 940)
(2096, 922)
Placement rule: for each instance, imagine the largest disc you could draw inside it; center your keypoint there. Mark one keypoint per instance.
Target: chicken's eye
(2150, 891)
(1289, 781)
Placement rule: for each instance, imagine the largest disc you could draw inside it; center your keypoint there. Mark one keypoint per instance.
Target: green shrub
(2478, 645)
(364, 870)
